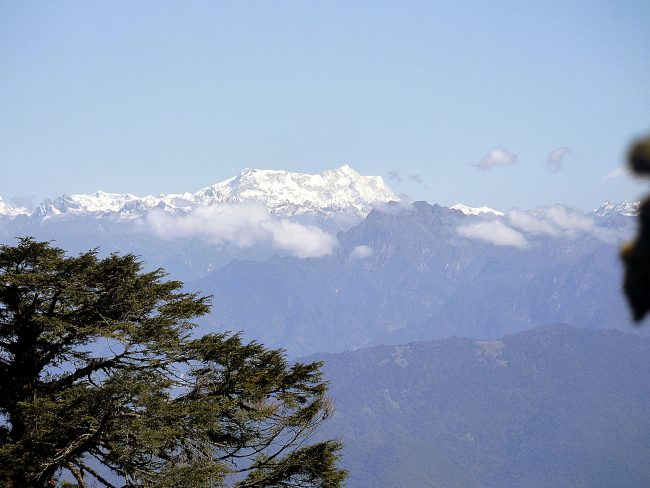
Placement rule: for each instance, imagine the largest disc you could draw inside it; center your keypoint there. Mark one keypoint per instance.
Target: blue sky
(154, 96)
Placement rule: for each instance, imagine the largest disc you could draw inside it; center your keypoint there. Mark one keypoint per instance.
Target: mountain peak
(346, 168)
(286, 192)
(9, 210)
(476, 210)
(626, 208)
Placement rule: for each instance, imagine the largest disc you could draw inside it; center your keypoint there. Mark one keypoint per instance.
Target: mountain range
(425, 271)
(336, 261)
(338, 191)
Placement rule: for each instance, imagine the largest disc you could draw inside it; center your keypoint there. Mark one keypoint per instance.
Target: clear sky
(469, 99)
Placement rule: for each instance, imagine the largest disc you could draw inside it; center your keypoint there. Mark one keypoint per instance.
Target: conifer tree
(102, 382)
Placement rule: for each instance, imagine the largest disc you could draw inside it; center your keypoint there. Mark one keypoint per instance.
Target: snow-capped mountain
(288, 193)
(9, 210)
(341, 190)
(476, 210)
(627, 208)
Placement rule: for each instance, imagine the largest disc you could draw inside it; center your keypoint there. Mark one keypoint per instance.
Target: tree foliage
(102, 382)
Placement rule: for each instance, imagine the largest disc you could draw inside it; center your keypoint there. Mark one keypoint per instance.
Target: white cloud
(243, 225)
(567, 219)
(615, 173)
(552, 221)
(496, 157)
(361, 252)
(556, 158)
(400, 207)
(303, 241)
(494, 232)
(530, 224)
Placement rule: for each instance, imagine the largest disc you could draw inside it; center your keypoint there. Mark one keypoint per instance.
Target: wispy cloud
(416, 179)
(394, 176)
(496, 157)
(361, 252)
(555, 159)
(494, 232)
(244, 225)
(617, 172)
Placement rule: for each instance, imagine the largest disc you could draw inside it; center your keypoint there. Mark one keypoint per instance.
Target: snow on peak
(290, 193)
(476, 210)
(627, 208)
(341, 190)
(8, 210)
(99, 202)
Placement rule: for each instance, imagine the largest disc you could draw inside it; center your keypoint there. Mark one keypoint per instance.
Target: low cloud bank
(516, 227)
(552, 221)
(243, 225)
(494, 232)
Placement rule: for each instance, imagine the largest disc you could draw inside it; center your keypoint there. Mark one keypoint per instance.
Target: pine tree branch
(78, 476)
(94, 474)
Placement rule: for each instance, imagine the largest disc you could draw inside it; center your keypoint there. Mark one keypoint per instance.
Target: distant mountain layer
(425, 271)
(403, 272)
(556, 406)
(341, 190)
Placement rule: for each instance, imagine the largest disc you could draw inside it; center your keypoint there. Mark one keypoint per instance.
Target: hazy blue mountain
(408, 273)
(400, 273)
(184, 259)
(554, 406)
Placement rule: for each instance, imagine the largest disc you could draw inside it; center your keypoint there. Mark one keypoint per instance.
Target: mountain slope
(555, 406)
(406, 273)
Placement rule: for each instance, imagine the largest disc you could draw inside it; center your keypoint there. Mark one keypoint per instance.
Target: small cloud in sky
(244, 225)
(416, 179)
(556, 158)
(361, 252)
(494, 232)
(616, 173)
(394, 176)
(496, 157)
